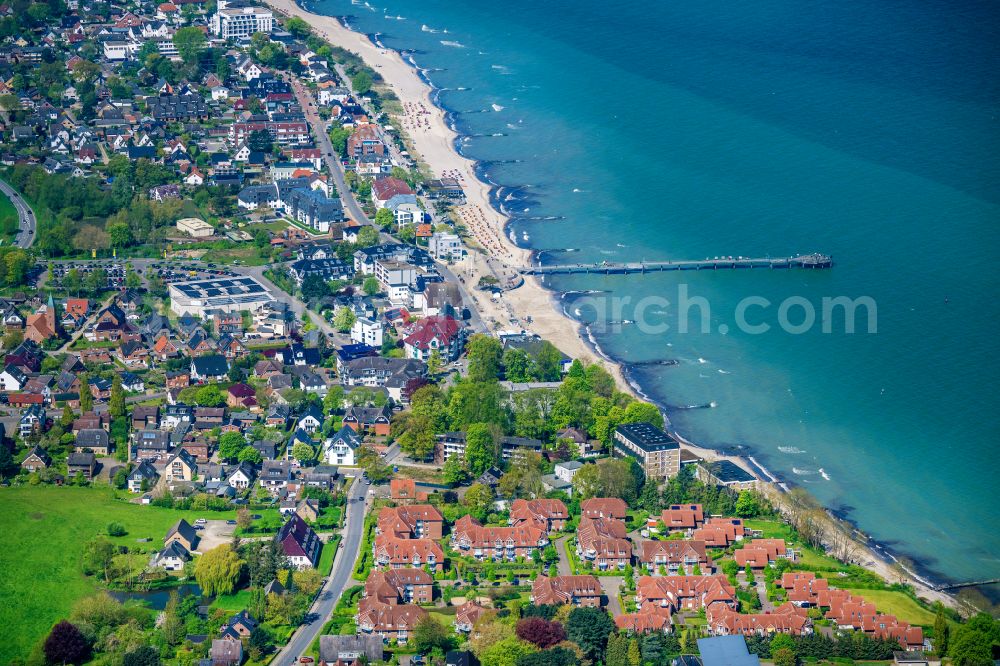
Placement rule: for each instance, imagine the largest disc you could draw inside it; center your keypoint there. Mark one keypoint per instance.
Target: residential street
(339, 580)
(334, 167)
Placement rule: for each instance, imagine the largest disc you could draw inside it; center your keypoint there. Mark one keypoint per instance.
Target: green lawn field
(898, 604)
(44, 530)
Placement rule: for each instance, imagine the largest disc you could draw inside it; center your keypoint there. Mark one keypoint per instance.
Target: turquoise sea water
(865, 129)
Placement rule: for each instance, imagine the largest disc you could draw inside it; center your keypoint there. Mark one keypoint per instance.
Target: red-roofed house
(467, 615)
(241, 395)
(603, 542)
(684, 592)
(648, 619)
(558, 590)
(390, 621)
(682, 516)
(720, 532)
(400, 586)
(384, 189)
(416, 521)
(443, 333)
(785, 619)
(604, 507)
(551, 513)
(497, 543)
(675, 554)
(760, 552)
(395, 553)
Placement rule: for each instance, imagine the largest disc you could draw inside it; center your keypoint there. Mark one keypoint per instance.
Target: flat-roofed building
(237, 22)
(228, 294)
(726, 473)
(658, 453)
(194, 227)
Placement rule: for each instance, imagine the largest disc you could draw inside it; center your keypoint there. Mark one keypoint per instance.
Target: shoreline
(438, 144)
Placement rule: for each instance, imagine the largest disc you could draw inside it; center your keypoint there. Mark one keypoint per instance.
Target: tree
(231, 445)
(314, 286)
(429, 634)
(587, 482)
(66, 645)
(243, 519)
(384, 218)
(344, 319)
(974, 642)
(250, 455)
(453, 472)
(557, 656)
(746, 504)
(783, 657)
(333, 401)
(368, 235)
(86, 397)
(370, 286)
(540, 631)
(218, 570)
(303, 452)
(209, 396)
(548, 363)
(116, 530)
(516, 365)
(589, 628)
(116, 403)
(143, 656)
(480, 448)
(618, 478)
(941, 630)
(372, 464)
(97, 280)
(297, 27)
(362, 83)
(643, 412)
(190, 42)
(434, 362)
(506, 652)
(479, 500)
(485, 354)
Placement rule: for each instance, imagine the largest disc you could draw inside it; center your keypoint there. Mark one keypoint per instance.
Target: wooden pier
(714, 264)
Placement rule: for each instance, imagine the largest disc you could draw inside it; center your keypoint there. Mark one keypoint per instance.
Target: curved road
(26, 236)
(338, 581)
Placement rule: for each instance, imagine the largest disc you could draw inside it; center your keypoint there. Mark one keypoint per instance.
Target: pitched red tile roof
(604, 507)
(564, 589)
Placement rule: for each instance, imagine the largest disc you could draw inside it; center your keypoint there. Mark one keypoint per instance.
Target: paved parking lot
(215, 533)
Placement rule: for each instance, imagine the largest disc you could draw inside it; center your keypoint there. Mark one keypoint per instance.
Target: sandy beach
(434, 141)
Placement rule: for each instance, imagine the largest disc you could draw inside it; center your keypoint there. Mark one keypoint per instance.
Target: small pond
(156, 599)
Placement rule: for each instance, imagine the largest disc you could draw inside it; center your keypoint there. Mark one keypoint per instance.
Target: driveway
(26, 216)
(564, 567)
(612, 585)
(338, 581)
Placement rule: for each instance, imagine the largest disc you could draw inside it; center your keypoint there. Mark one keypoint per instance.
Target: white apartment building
(240, 22)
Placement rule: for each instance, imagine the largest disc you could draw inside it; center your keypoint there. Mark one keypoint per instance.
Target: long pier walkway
(717, 263)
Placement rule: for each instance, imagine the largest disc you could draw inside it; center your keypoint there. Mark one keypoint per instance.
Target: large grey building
(228, 294)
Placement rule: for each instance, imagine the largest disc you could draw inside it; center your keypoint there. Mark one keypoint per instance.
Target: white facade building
(239, 22)
(367, 332)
